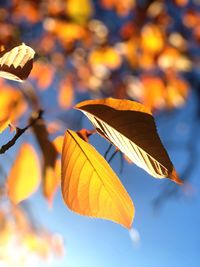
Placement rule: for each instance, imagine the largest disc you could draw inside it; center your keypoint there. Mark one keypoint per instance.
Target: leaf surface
(25, 176)
(49, 154)
(89, 185)
(16, 64)
(131, 128)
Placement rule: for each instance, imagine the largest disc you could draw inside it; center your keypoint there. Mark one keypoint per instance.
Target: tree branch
(19, 131)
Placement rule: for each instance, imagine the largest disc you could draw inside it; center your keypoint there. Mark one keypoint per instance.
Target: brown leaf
(16, 64)
(130, 127)
(49, 155)
(89, 185)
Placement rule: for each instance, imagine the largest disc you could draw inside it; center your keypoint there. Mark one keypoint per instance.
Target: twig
(107, 151)
(20, 131)
(112, 156)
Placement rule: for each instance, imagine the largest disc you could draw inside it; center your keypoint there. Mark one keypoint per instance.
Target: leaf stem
(19, 131)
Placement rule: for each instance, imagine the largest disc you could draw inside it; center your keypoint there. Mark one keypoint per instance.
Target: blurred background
(147, 51)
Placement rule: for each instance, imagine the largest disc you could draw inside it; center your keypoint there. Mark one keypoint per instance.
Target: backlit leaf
(58, 143)
(12, 105)
(89, 185)
(44, 80)
(107, 56)
(122, 7)
(16, 64)
(130, 127)
(79, 10)
(24, 177)
(4, 124)
(152, 38)
(66, 94)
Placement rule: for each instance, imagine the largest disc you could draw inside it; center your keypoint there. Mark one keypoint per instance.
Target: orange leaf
(24, 177)
(44, 80)
(130, 127)
(58, 143)
(107, 56)
(66, 94)
(152, 38)
(153, 91)
(52, 181)
(66, 32)
(89, 185)
(122, 7)
(4, 124)
(12, 105)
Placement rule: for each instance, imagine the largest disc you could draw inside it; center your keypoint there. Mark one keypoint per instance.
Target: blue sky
(169, 236)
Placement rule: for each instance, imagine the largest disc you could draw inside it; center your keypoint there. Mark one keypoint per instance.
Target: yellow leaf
(24, 177)
(4, 124)
(152, 39)
(107, 56)
(89, 185)
(79, 10)
(130, 127)
(12, 105)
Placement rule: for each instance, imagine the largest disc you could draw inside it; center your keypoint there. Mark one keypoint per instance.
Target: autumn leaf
(49, 154)
(65, 94)
(58, 143)
(45, 80)
(66, 32)
(130, 127)
(16, 64)
(24, 177)
(107, 56)
(12, 105)
(4, 123)
(152, 39)
(52, 181)
(89, 185)
(79, 10)
(122, 7)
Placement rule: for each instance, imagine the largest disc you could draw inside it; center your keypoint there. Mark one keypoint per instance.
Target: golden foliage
(107, 56)
(24, 177)
(152, 39)
(89, 185)
(131, 128)
(65, 94)
(12, 105)
(47, 71)
(122, 7)
(79, 10)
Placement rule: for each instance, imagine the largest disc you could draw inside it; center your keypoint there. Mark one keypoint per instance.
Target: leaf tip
(175, 178)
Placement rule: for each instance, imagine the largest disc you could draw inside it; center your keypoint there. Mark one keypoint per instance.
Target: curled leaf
(130, 126)
(16, 64)
(89, 185)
